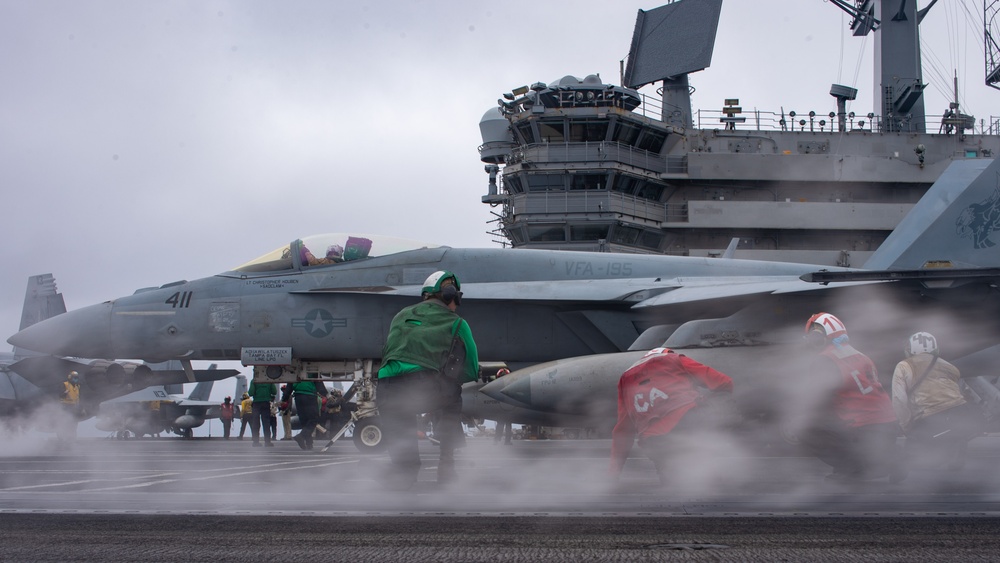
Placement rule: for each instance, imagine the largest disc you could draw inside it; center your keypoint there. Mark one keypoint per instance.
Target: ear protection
(450, 293)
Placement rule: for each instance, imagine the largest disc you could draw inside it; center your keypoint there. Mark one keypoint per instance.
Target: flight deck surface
(534, 500)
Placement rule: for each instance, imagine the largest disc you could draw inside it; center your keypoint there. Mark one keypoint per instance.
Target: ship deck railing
(757, 120)
(763, 120)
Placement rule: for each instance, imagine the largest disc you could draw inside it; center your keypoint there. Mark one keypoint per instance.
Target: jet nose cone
(512, 389)
(84, 333)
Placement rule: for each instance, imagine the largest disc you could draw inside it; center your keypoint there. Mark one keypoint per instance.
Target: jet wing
(157, 393)
(190, 403)
(153, 393)
(637, 292)
(690, 290)
(943, 276)
(49, 371)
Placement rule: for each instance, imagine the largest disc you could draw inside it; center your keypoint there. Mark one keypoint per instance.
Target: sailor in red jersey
(656, 396)
(854, 429)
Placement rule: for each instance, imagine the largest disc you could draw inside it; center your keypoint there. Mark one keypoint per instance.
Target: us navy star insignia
(319, 323)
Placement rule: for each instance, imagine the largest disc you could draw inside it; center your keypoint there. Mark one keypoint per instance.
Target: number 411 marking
(180, 300)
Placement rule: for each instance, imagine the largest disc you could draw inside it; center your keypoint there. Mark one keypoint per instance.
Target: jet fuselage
(523, 306)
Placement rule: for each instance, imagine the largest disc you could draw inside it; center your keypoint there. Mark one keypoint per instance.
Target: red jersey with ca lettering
(653, 396)
(860, 399)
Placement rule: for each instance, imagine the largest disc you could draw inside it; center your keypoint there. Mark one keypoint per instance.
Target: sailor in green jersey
(307, 395)
(261, 395)
(428, 355)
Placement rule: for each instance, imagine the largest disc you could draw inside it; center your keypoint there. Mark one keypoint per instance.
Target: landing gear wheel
(368, 436)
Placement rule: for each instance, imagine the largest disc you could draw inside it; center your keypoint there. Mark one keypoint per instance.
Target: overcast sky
(147, 142)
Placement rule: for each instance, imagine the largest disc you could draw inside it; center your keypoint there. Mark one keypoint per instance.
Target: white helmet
(921, 343)
(438, 284)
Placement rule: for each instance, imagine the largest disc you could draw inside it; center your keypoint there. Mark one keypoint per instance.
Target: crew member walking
(307, 395)
(286, 414)
(246, 408)
(504, 429)
(226, 412)
(71, 392)
(261, 395)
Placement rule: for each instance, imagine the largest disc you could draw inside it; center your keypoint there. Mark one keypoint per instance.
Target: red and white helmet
(652, 355)
(658, 352)
(832, 326)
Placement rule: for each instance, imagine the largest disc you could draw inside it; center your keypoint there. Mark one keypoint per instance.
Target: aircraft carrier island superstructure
(584, 165)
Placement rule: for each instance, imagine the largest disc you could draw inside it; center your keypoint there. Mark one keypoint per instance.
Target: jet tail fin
(202, 391)
(731, 249)
(241, 386)
(41, 301)
(955, 224)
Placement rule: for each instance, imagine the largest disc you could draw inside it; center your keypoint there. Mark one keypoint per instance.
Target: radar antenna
(991, 8)
(863, 13)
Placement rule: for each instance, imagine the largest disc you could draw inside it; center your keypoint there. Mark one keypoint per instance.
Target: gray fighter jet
(159, 409)
(320, 307)
(29, 381)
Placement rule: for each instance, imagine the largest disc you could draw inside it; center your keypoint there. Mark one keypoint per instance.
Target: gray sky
(147, 142)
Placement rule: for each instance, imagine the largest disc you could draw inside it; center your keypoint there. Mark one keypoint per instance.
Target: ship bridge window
(547, 233)
(625, 184)
(588, 131)
(626, 133)
(651, 191)
(516, 235)
(588, 232)
(512, 184)
(625, 235)
(546, 182)
(526, 133)
(651, 141)
(551, 131)
(650, 239)
(588, 181)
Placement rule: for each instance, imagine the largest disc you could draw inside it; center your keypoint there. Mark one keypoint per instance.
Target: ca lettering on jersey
(640, 403)
(865, 389)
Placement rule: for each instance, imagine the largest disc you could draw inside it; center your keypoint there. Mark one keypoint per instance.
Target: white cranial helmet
(921, 343)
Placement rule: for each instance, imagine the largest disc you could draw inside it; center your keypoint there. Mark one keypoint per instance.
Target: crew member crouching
(658, 395)
(853, 427)
(930, 406)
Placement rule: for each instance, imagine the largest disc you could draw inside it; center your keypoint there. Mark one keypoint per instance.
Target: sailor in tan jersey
(929, 403)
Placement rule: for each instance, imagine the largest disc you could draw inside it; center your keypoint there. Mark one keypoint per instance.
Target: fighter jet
(320, 307)
(159, 409)
(29, 381)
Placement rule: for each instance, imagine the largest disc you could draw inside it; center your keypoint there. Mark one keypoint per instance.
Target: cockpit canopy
(331, 248)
